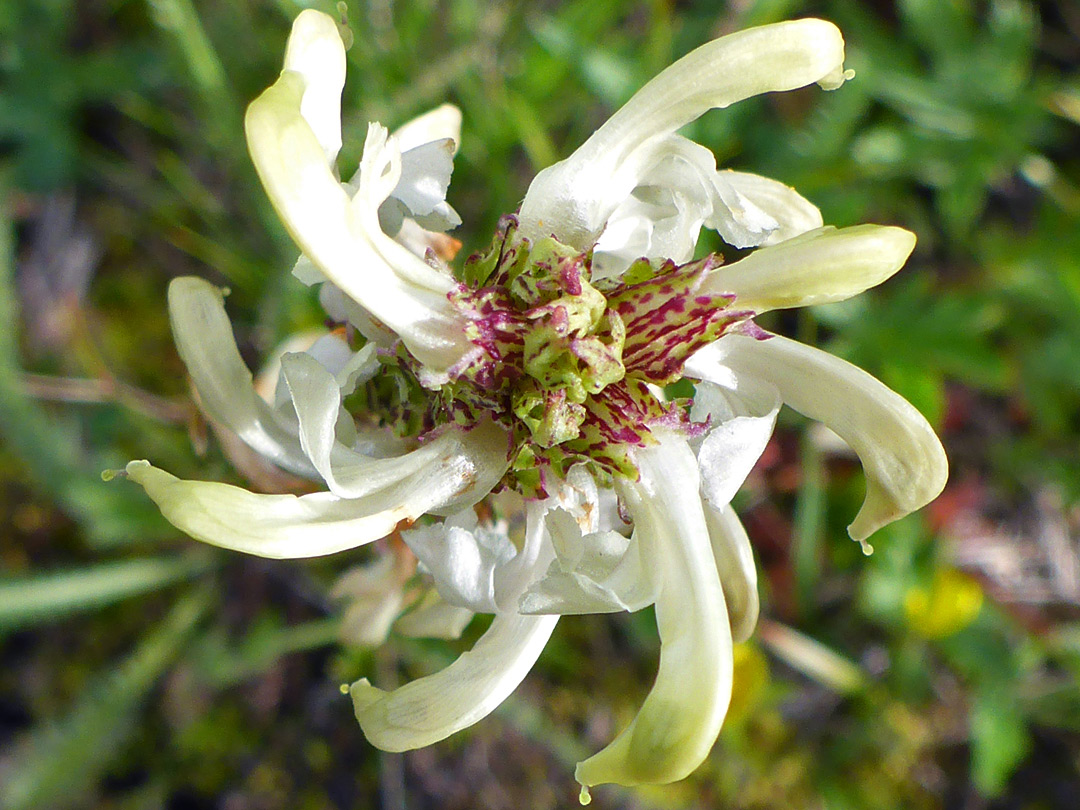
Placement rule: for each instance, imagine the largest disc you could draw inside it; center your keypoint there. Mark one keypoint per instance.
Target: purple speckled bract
(567, 365)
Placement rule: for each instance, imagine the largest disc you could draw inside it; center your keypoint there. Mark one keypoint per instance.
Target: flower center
(572, 367)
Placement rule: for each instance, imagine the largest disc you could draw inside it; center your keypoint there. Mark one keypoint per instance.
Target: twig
(94, 391)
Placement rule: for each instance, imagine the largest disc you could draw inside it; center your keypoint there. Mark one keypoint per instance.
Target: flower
(533, 376)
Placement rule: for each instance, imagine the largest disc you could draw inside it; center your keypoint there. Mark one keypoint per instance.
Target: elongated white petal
(442, 122)
(432, 708)
(205, 342)
(735, 565)
(819, 267)
(316, 52)
(342, 235)
(681, 717)
(756, 210)
(602, 572)
(462, 557)
(287, 526)
(571, 200)
(316, 397)
(729, 453)
(903, 459)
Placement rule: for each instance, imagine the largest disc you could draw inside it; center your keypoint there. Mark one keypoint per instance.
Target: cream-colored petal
(341, 235)
(570, 199)
(819, 267)
(442, 122)
(735, 565)
(287, 526)
(432, 708)
(757, 210)
(903, 459)
(463, 557)
(316, 398)
(729, 453)
(205, 342)
(316, 52)
(601, 572)
(682, 715)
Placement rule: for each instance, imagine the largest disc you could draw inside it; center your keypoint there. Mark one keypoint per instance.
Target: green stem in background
(808, 528)
(41, 598)
(179, 18)
(56, 763)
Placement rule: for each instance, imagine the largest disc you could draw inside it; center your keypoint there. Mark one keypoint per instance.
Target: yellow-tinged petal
(735, 565)
(569, 199)
(204, 339)
(903, 459)
(819, 267)
(341, 235)
(682, 715)
(432, 708)
(316, 52)
(316, 400)
(288, 526)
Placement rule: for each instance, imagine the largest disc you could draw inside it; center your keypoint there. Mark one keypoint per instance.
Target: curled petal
(744, 414)
(316, 397)
(288, 526)
(669, 187)
(463, 557)
(757, 210)
(735, 565)
(476, 566)
(681, 717)
(819, 267)
(442, 122)
(425, 176)
(205, 342)
(904, 461)
(571, 199)
(432, 708)
(316, 52)
(420, 193)
(601, 572)
(729, 453)
(341, 235)
(661, 194)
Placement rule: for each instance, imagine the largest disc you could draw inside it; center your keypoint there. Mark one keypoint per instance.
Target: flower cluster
(520, 398)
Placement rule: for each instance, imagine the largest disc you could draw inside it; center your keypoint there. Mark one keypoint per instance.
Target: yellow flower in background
(534, 373)
(946, 606)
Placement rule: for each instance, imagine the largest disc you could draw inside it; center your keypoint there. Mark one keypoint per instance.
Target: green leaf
(47, 597)
(57, 762)
(999, 739)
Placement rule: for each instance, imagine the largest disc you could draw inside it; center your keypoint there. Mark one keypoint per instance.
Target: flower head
(533, 375)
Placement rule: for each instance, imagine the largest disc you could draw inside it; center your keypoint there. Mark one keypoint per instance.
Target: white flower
(538, 368)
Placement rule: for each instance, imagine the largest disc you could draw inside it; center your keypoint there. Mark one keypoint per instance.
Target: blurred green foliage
(140, 672)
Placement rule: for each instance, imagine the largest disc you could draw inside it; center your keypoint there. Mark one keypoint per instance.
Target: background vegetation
(139, 670)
